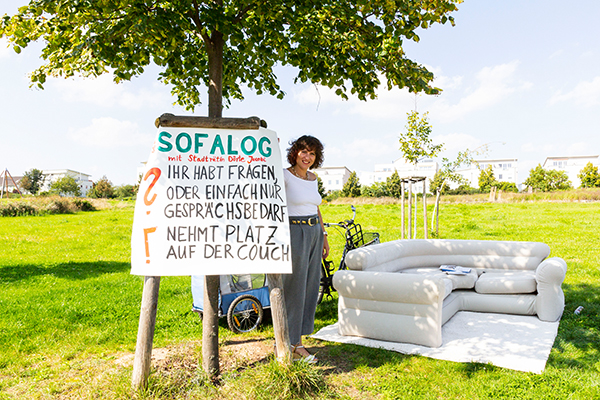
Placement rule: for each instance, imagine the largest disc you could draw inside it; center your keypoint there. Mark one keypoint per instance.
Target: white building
(504, 169)
(83, 180)
(425, 167)
(571, 165)
(333, 178)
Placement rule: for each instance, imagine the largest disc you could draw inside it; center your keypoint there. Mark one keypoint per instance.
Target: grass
(69, 311)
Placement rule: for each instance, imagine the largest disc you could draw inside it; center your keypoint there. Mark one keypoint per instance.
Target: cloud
(579, 149)
(586, 94)
(493, 84)
(102, 91)
(455, 142)
(363, 153)
(5, 50)
(110, 132)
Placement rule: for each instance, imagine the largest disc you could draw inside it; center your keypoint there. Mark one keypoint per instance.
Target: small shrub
(83, 205)
(17, 209)
(60, 206)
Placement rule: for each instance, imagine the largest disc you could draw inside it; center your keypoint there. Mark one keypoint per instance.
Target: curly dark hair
(309, 143)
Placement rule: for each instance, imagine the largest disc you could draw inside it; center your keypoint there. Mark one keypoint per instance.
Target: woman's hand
(325, 247)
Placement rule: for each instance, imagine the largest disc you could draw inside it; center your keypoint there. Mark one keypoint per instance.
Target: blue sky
(521, 76)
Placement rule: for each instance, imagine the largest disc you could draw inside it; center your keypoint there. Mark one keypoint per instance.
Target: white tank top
(302, 196)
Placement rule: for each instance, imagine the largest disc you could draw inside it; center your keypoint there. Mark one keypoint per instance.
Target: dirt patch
(234, 354)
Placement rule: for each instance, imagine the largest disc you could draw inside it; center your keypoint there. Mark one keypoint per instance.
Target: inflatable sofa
(396, 291)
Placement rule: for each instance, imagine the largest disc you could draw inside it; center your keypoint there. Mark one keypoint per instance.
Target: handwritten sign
(211, 202)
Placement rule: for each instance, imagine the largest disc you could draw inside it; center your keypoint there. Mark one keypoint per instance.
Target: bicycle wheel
(244, 314)
(325, 286)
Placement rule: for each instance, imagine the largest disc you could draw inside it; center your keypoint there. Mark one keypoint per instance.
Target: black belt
(310, 221)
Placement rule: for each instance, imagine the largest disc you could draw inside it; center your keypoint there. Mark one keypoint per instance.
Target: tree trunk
(210, 321)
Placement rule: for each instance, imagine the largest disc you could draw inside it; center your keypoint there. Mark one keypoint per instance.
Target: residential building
(83, 180)
(504, 169)
(333, 178)
(7, 185)
(425, 167)
(571, 165)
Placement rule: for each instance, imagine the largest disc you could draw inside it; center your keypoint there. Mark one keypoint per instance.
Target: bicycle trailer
(242, 298)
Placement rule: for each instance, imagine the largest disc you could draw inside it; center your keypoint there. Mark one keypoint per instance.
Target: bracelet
(324, 233)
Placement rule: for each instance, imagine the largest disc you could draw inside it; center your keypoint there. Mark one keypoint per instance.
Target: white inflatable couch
(396, 292)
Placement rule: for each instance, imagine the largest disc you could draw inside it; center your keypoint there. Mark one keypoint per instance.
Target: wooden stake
(410, 209)
(424, 210)
(143, 347)
(210, 326)
(279, 315)
(402, 212)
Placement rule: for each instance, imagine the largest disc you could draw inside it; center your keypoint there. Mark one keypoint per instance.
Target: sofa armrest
(550, 301)
(389, 287)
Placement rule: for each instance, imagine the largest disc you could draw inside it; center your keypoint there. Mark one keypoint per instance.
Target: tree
(126, 191)
(547, 180)
(352, 186)
(32, 180)
(394, 185)
(353, 47)
(65, 186)
(589, 176)
(321, 187)
(439, 182)
(415, 143)
(103, 189)
(487, 179)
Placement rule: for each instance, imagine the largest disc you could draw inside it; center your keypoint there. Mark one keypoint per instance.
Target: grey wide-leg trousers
(301, 287)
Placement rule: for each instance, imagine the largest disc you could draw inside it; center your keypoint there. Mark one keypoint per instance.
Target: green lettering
(167, 145)
(178, 142)
(266, 152)
(217, 143)
(198, 143)
(229, 149)
(253, 143)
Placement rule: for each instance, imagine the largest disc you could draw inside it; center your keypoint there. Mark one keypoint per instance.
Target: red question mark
(156, 172)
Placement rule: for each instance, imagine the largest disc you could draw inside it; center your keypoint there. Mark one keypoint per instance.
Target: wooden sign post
(199, 168)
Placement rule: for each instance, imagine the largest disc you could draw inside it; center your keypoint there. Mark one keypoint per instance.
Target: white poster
(211, 202)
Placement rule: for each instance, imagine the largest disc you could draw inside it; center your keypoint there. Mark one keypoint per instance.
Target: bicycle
(354, 238)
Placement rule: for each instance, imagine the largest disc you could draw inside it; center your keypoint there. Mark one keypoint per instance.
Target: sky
(521, 78)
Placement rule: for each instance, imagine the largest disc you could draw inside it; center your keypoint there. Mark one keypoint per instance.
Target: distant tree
(394, 185)
(487, 179)
(439, 182)
(103, 189)
(547, 180)
(416, 142)
(65, 186)
(508, 187)
(125, 191)
(377, 189)
(589, 176)
(352, 186)
(32, 180)
(321, 187)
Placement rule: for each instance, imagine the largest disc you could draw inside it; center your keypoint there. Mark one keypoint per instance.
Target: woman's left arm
(325, 241)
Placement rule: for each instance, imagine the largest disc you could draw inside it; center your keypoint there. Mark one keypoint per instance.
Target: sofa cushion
(466, 281)
(510, 282)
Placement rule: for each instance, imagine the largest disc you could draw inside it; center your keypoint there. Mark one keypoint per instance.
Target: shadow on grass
(580, 332)
(68, 270)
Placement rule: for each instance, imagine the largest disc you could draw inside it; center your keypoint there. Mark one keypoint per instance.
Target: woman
(308, 241)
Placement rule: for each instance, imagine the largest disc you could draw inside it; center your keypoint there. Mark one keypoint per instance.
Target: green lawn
(69, 309)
